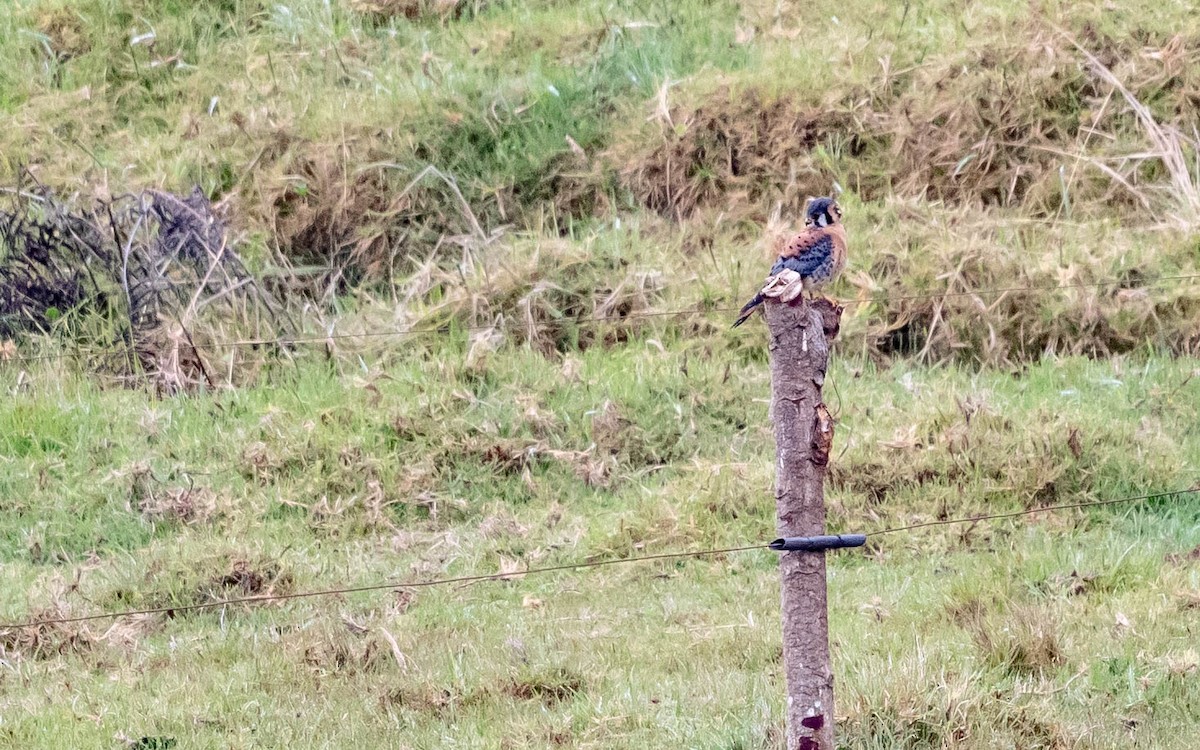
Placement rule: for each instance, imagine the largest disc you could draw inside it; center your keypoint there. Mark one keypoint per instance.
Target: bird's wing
(806, 252)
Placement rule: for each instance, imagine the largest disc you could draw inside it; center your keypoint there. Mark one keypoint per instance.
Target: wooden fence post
(799, 351)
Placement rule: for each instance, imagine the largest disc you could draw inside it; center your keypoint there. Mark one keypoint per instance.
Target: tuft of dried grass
(1023, 640)
(321, 213)
(51, 640)
(595, 471)
(500, 525)
(733, 149)
(611, 430)
(341, 221)
(550, 294)
(935, 453)
(156, 502)
(427, 699)
(912, 705)
(54, 639)
(342, 655)
(385, 11)
(65, 31)
(550, 686)
(949, 287)
(981, 127)
(187, 505)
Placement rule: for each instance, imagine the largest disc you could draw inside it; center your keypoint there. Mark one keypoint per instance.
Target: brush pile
(146, 284)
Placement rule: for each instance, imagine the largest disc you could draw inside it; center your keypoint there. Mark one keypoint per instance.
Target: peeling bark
(800, 337)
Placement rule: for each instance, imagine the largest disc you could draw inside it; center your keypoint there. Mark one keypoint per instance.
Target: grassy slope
(310, 120)
(411, 462)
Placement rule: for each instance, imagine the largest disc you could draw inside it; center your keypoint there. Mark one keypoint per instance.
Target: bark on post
(799, 350)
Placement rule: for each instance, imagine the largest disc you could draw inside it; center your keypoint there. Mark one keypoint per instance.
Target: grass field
(1071, 629)
(599, 165)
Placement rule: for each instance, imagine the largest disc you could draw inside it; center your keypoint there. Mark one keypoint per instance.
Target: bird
(811, 259)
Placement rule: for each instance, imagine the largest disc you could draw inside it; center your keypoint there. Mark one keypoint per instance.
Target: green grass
(998, 633)
(966, 140)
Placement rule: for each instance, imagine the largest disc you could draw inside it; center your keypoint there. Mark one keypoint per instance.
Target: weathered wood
(799, 351)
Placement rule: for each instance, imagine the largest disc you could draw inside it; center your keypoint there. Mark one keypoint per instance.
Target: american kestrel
(809, 260)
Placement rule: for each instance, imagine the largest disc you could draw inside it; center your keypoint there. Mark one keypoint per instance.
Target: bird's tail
(748, 309)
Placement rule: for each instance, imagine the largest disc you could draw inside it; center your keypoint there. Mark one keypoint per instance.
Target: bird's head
(821, 212)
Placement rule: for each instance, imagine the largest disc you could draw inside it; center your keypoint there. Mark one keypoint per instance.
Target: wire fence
(584, 564)
(573, 566)
(451, 329)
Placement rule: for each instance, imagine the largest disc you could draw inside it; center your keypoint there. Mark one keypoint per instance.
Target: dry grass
(1170, 146)
(996, 293)
(554, 295)
(159, 502)
(550, 687)
(385, 11)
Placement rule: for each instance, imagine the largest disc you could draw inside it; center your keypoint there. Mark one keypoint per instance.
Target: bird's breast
(839, 246)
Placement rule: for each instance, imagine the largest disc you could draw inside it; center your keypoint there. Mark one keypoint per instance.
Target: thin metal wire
(554, 568)
(60, 355)
(1031, 511)
(446, 329)
(1005, 290)
(380, 586)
